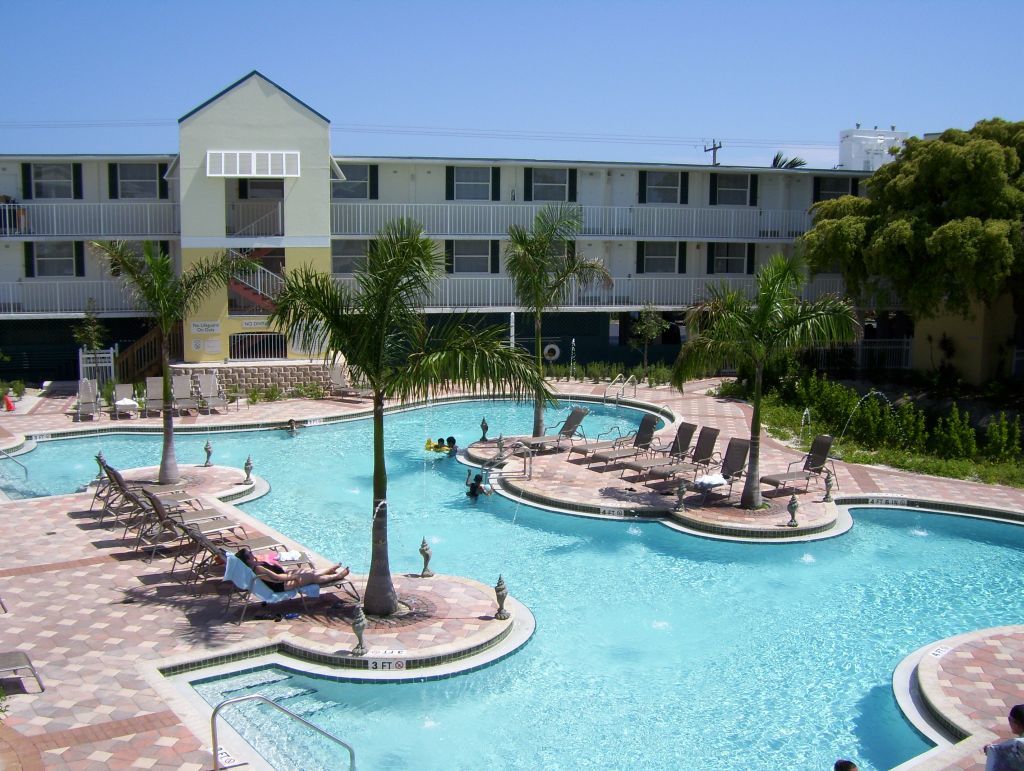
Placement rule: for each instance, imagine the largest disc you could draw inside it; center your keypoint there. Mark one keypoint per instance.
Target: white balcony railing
(669, 291)
(253, 219)
(634, 222)
(44, 297)
(116, 219)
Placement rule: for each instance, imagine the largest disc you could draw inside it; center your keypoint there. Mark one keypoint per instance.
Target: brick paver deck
(94, 617)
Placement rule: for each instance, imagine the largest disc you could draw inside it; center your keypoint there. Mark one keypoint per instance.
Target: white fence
(119, 219)
(494, 219)
(97, 365)
(254, 346)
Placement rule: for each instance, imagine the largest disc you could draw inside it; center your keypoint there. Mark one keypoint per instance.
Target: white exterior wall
(867, 149)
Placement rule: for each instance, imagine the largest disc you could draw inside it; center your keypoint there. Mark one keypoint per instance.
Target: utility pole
(715, 147)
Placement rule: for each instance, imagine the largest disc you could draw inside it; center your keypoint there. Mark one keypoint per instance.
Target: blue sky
(629, 81)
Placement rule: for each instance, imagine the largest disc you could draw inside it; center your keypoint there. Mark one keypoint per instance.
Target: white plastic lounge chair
(569, 429)
(88, 398)
(641, 444)
(676, 452)
(15, 662)
(700, 458)
(247, 586)
(181, 388)
(731, 469)
(155, 395)
(814, 463)
(211, 393)
(124, 401)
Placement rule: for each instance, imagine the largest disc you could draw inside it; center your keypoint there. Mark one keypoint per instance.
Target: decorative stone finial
(501, 592)
(792, 506)
(483, 429)
(208, 449)
(828, 486)
(248, 471)
(358, 627)
(426, 554)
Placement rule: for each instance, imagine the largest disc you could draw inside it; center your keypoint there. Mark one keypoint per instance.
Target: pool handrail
(11, 457)
(275, 705)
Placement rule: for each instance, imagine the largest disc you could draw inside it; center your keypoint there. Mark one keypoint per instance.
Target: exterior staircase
(253, 291)
(141, 359)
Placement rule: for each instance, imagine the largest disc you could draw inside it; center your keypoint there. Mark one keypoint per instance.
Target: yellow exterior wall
(980, 342)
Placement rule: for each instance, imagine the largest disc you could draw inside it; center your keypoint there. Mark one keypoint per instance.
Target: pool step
(255, 680)
(307, 705)
(286, 695)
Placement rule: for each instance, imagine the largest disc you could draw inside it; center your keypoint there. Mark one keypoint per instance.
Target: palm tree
(380, 332)
(780, 161)
(728, 327)
(542, 265)
(150, 278)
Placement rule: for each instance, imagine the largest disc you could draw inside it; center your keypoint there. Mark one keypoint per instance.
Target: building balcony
(64, 298)
(255, 219)
(492, 220)
(115, 219)
(666, 292)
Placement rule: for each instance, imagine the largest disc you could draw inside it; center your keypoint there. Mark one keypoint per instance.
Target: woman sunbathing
(281, 579)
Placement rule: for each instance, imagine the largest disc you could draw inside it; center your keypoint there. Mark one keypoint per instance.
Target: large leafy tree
(941, 225)
(380, 332)
(168, 297)
(728, 327)
(543, 264)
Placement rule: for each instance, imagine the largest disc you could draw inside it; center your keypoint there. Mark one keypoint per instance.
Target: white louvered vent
(273, 164)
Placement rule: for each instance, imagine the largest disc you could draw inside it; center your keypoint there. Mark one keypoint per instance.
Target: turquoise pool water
(653, 649)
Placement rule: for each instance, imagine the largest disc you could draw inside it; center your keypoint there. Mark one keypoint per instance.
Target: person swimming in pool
(477, 487)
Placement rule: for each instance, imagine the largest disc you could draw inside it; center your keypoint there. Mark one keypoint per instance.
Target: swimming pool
(653, 649)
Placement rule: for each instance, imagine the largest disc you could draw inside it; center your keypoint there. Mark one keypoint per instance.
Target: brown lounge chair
(675, 453)
(732, 468)
(701, 457)
(814, 463)
(15, 662)
(641, 444)
(568, 430)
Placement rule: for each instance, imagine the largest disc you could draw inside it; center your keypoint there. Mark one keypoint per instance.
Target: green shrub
(18, 386)
(911, 429)
(254, 395)
(313, 390)
(953, 436)
(273, 393)
(107, 392)
(1002, 438)
(733, 389)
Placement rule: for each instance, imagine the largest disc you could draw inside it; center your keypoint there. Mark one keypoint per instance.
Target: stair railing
(618, 380)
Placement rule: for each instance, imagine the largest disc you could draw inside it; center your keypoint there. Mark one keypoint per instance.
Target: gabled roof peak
(240, 81)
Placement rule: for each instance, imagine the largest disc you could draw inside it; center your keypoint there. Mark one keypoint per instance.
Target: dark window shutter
(753, 189)
(711, 259)
(681, 257)
(572, 185)
(374, 183)
(684, 187)
(641, 192)
(30, 258)
(639, 256)
(161, 183)
(496, 183)
(495, 262)
(112, 191)
(854, 186)
(449, 256)
(243, 189)
(165, 247)
(76, 180)
(750, 259)
(26, 181)
(816, 194)
(527, 184)
(449, 183)
(713, 194)
(79, 258)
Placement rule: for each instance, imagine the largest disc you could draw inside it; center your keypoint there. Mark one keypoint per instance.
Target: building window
(662, 187)
(828, 188)
(733, 189)
(266, 189)
(54, 259)
(730, 258)
(52, 180)
(348, 256)
(660, 256)
(356, 183)
(137, 180)
(472, 183)
(471, 256)
(550, 185)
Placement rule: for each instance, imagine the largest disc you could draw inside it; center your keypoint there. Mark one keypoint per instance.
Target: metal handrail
(620, 378)
(631, 379)
(509, 452)
(11, 457)
(272, 703)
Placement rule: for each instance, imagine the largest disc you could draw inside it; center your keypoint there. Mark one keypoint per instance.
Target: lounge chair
(211, 393)
(124, 401)
(88, 398)
(155, 395)
(181, 389)
(340, 385)
(15, 662)
(569, 429)
(247, 586)
(641, 444)
(622, 440)
(814, 463)
(732, 468)
(701, 456)
(676, 452)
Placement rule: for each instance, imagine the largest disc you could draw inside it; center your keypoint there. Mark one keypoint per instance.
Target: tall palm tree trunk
(751, 498)
(379, 599)
(538, 400)
(169, 474)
